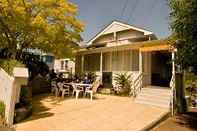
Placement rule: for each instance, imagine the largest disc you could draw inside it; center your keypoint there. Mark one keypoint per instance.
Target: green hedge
(9, 64)
(2, 109)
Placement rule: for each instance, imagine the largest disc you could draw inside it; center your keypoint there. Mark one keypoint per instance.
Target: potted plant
(122, 84)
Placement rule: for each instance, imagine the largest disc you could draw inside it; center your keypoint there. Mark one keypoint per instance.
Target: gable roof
(116, 26)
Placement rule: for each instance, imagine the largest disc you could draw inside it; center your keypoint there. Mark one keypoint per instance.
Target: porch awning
(151, 48)
(145, 46)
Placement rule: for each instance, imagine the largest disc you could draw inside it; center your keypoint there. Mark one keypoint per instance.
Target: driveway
(105, 113)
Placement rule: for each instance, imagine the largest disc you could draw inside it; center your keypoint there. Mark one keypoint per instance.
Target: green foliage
(24, 94)
(190, 79)
(9, 64)
(191, 83)
(184, 28)
(2, 109)
(91, 76)
(123, 83)
(49, 25)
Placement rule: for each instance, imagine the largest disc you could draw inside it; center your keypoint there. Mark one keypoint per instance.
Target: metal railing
(137, 85)
(173, 93)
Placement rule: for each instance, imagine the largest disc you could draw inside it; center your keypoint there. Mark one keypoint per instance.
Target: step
(157, 87)
(161, 92)
(155, 93)
(156, 90)
(152, 100)
(156, 97)
(154, 104)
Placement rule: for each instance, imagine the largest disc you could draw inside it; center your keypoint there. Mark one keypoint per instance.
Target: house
(48, 59)
(65, 66)
(121, 47)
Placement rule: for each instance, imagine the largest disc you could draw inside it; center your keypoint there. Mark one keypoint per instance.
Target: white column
(173, 63)
(149, 38)
(101, 65)
(115, 37)
(173, 92)
(82, 64)
(140, 62)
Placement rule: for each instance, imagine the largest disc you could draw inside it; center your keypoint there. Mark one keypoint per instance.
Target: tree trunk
(180, 94)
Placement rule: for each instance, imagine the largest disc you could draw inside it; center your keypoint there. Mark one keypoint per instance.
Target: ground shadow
(40, 110)
(188, 119)
(4, 128)
(43, 110)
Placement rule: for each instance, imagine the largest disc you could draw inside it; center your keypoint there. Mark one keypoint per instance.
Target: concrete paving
(105, 113)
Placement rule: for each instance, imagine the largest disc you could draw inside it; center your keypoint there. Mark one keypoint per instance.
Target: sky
(152, 15)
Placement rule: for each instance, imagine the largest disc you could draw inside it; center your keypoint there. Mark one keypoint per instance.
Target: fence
(10, 90)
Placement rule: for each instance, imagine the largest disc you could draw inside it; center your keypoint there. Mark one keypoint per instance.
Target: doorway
(161, 68)
(107, 79)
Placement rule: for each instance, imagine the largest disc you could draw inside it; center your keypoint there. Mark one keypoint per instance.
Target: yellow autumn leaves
(41, 23)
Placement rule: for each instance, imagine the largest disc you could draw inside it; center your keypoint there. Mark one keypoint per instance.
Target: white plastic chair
(92, 89)
(64, 89)
(77, 90)
(54, 88)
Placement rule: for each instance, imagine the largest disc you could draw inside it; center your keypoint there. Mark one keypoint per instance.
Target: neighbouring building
(65, 66)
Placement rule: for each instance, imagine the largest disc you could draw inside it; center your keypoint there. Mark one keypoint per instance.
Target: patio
(105, 113)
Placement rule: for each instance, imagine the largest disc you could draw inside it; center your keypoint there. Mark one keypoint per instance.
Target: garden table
(77, 89)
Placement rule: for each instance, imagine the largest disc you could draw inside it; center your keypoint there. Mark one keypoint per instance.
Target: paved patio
(105, 113)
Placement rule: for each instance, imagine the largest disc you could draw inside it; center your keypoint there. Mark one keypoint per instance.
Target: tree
(49, 25)
(184, 27)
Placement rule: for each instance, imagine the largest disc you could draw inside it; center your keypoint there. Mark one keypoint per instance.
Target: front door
(161, 68)
(107, 79)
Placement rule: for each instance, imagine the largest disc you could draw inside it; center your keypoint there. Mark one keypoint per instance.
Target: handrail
(172, 81)
(136, 85)
(173, 93)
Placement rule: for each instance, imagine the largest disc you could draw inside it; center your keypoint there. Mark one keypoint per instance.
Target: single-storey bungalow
(121, 47)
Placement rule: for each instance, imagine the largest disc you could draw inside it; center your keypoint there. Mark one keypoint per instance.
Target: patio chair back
(53, 84)
(74, 86)
(60, 85)
(95, 85)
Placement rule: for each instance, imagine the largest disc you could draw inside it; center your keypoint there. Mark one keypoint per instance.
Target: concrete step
(156, 96)
(157, 93)
(155, 89)
(154, 104)
(143, 99)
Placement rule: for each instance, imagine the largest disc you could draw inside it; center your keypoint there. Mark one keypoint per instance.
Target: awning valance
(155, 48)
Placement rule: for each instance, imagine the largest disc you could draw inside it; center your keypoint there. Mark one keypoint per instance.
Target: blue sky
(149, 14)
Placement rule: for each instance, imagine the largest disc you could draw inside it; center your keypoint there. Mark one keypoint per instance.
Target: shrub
(123, 84)
(2, 109)
(91, 76)
(9, 64)
(190, 79)
(24, 95)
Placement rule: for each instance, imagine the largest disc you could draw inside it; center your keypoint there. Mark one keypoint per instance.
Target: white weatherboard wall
(10, 90)
(6, 93)
(69, 68)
